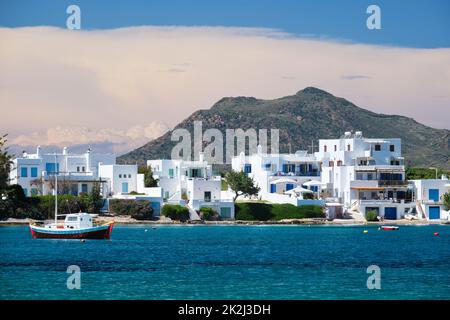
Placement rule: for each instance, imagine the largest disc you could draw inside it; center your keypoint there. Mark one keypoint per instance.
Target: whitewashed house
(429, 194)
(76, 173)
(191, 183)
(282, 177)
(366, 174)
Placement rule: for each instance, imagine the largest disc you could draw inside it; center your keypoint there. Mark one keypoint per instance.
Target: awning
(298, 190)
(283, 180)
(367, 188)
(313, 183)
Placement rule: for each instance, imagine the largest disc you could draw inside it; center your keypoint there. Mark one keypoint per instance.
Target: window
(78, 169)
(339, 163)
(335, 148)
(83, 169)
(170, 173)
(331, 163)
(378, 147)
(120, 175)
(52, 167)
(34, 172)
(324, 148)
(349, 147)
(207, 196)
(392, 148)
(247, 168)
(23, 172)
(84, 188)
(129, 176)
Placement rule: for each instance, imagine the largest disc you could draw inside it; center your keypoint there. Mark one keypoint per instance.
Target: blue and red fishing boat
(75, 226)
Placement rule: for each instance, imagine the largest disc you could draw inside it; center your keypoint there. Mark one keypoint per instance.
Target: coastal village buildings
(282, 177)
(192, 183)
(351, 174)
(366, 174)
(76, 172)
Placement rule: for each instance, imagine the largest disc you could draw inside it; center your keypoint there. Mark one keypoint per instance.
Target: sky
(137, 68)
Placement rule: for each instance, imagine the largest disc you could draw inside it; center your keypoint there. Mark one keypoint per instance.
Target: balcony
(392, 183)
(298, 174)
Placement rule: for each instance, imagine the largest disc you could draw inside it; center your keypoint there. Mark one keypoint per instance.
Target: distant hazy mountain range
(307, 116)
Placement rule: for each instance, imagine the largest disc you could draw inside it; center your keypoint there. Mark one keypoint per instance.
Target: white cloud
(66, 86)
(108, 140)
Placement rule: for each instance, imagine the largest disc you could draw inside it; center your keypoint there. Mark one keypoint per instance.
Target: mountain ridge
(306, 116)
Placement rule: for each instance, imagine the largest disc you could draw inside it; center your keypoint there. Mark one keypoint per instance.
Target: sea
(229, 262)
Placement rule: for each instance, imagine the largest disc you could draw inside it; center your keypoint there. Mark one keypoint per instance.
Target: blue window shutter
(273, 188)
(433, 194)
(34, 172)
(24, 172)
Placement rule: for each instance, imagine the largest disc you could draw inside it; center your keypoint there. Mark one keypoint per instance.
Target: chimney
(38, 151)
(24, 154)
(64, 151)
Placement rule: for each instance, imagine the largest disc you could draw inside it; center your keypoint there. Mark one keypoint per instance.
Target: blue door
(434, 213)
(124, 187)
(289, 186)
(273, 188)
(390, 213)
(433, 194)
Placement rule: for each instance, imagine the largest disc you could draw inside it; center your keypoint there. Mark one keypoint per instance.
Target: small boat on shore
(389, 228)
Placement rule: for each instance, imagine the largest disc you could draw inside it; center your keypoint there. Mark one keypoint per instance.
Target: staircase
(420, 209)
(193, 215)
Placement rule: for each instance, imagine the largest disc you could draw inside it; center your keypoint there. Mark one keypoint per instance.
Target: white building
(366, 174)
(76, 173)
(279, 176)
(191, 183)
(430, 194)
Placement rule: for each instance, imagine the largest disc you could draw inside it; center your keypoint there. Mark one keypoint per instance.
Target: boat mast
(56, 191)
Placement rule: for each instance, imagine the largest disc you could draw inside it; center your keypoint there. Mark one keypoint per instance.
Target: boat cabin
(78, 221)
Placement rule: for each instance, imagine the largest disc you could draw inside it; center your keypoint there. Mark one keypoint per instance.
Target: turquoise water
(229, 262)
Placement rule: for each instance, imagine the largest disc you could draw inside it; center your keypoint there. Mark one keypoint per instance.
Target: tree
(95, 200)
(446, 200)
(241, 184)
(5, 164)
(149, 180)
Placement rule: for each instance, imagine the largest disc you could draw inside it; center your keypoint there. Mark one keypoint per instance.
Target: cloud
(106, 140)
(354, 77)
(62, 86)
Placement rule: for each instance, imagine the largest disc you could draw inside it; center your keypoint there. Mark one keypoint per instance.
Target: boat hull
(99, 232)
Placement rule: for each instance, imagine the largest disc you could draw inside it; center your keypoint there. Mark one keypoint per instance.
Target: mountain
(307, 116)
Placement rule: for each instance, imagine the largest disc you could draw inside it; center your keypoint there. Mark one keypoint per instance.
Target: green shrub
(371, 215)
(264, 211)
(175, 212)
(209, 214)
(137, 209)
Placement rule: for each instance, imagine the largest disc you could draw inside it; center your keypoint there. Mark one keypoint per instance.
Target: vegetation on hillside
(425, 173)
(307, 116)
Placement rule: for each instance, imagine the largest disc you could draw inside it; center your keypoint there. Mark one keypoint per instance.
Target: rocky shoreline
(127, 220)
